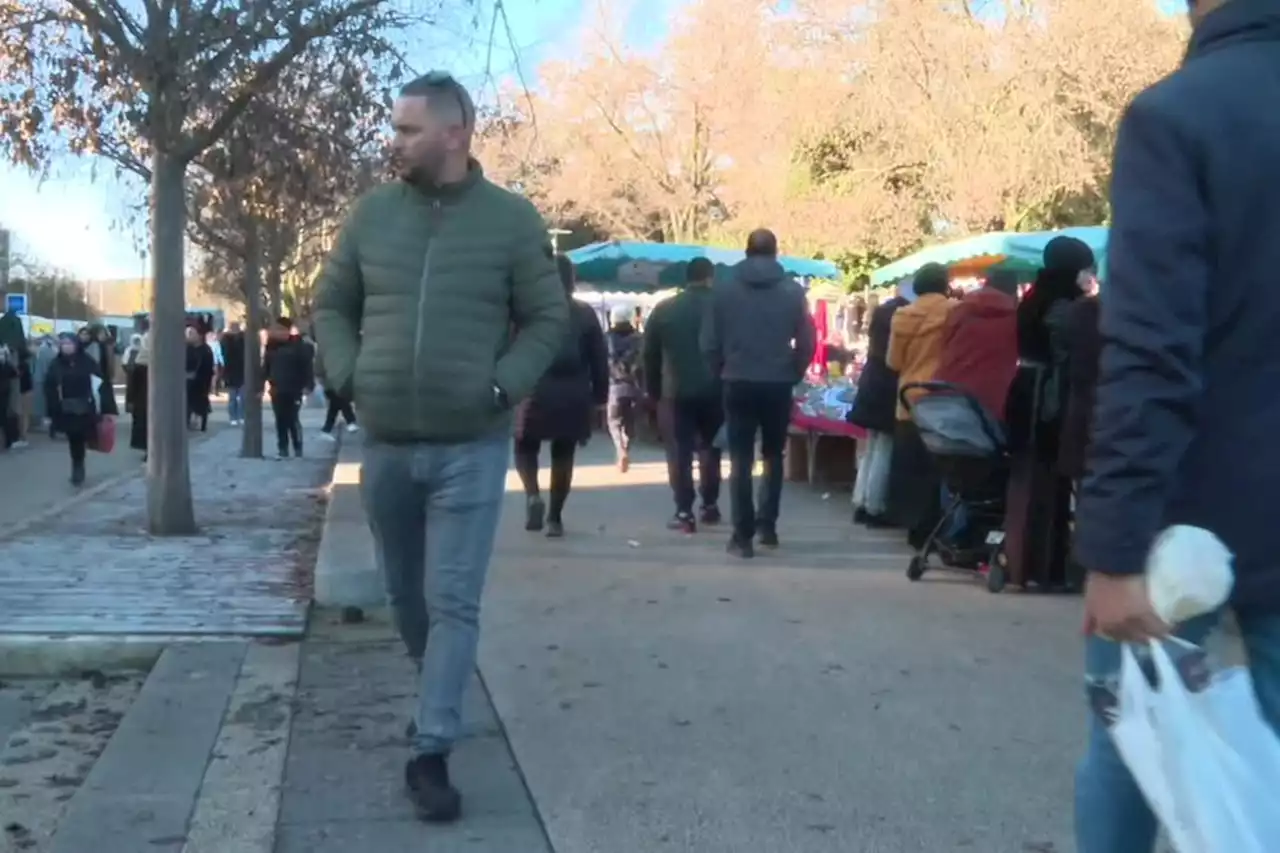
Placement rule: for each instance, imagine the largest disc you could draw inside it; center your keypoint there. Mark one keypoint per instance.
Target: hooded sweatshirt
(758, 327)
(980, 347)
(915, 341)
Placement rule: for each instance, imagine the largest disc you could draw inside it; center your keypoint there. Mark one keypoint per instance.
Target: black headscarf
(1064, 259)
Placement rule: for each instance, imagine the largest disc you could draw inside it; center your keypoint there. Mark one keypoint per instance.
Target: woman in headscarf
(137, 380)
(46, 352)
(78, 398)
(873, 409)
(625, 383)
(1037, 522)
(561, 410)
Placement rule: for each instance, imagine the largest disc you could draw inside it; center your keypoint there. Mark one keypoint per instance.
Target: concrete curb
(59, 656)
(347, 573)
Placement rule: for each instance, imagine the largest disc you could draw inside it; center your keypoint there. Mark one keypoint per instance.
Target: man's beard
(427, 171)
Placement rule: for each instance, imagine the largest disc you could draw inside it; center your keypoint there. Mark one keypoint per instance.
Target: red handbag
(105, 437)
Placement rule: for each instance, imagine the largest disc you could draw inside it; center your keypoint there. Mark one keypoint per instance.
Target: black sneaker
(860, 516)
(768, 537)
(434, 799)
(738, 548)
(555, 528)
(683, 522)
(77, 474)
(535, 514)
(710, 514)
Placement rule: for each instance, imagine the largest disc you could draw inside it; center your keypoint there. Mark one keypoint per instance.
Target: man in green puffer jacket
(438, 310)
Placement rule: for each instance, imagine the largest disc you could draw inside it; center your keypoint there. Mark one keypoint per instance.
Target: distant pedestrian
(288, 368)
(440, 307)
(200, 368)
(689, 396)
(232, 346)
(625, 362)
(78, 399)
(137, 382)
(8, 390)
(874, 409)
(759, 337)
(561, 410)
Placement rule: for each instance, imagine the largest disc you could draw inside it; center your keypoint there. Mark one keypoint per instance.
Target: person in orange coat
(915, 347)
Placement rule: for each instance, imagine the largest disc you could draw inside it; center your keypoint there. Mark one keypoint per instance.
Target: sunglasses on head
(443, 81)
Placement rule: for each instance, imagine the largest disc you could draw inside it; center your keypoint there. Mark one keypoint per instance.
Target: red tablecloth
(826, 426)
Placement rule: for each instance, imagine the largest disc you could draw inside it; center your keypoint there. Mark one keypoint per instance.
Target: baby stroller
(969, 447)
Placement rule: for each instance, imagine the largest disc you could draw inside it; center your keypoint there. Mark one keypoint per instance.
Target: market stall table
(806, 433)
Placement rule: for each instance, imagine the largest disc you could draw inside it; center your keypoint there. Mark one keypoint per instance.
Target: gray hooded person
(759, 338)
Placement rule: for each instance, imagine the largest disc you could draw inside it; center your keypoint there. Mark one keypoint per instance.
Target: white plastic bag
(1207, 761)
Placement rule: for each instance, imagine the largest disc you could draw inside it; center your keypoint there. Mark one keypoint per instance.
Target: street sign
(15, 303)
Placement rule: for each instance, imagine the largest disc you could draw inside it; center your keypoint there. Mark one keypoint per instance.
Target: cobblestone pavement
(94, 570)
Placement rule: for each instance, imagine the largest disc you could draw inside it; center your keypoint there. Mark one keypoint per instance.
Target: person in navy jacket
(1188, 398)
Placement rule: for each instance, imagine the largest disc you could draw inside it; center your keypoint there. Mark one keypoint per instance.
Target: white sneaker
(328, 436)
(353, 427)
(19, 445)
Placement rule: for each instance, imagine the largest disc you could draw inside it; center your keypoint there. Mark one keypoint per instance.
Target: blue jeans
(235, 404)
(433, 510)
(1111, 814)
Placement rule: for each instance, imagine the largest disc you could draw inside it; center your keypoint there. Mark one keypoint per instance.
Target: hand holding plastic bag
(1206, 760)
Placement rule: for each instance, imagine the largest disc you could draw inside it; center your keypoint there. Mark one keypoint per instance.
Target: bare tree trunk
(251, 442)
(275, 288)
(170, 511)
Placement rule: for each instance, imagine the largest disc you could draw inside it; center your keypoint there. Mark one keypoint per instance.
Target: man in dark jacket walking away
(678, 378)
(758, 338)
(232, 344)
(287, 365)
(1187, 413)
(441, 306)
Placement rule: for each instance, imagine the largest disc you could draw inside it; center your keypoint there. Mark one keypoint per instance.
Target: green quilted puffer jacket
(435, 305)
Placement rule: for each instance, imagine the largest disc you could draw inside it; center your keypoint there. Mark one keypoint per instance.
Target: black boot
(434, 799)
(77, 473)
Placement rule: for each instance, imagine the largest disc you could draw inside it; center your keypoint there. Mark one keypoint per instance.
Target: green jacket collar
(454, 191)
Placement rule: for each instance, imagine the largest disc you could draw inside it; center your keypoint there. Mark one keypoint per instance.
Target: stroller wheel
(915, 569)
(996, 577)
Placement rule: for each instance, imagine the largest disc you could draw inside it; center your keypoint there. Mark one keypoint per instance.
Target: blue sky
(68, 219)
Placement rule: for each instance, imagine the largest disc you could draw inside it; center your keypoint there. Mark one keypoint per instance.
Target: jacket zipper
(422, 304)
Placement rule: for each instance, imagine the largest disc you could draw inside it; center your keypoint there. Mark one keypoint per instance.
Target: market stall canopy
(1029, 248)
(644, 267)
(971, 256)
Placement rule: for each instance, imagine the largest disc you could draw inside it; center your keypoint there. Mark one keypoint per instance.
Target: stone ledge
(346, 570)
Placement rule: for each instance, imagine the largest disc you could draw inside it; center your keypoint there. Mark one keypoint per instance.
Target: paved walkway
(660, 696)
(656, 696)
(44, 470)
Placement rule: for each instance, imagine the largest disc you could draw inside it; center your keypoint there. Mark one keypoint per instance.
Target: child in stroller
(969, 447)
